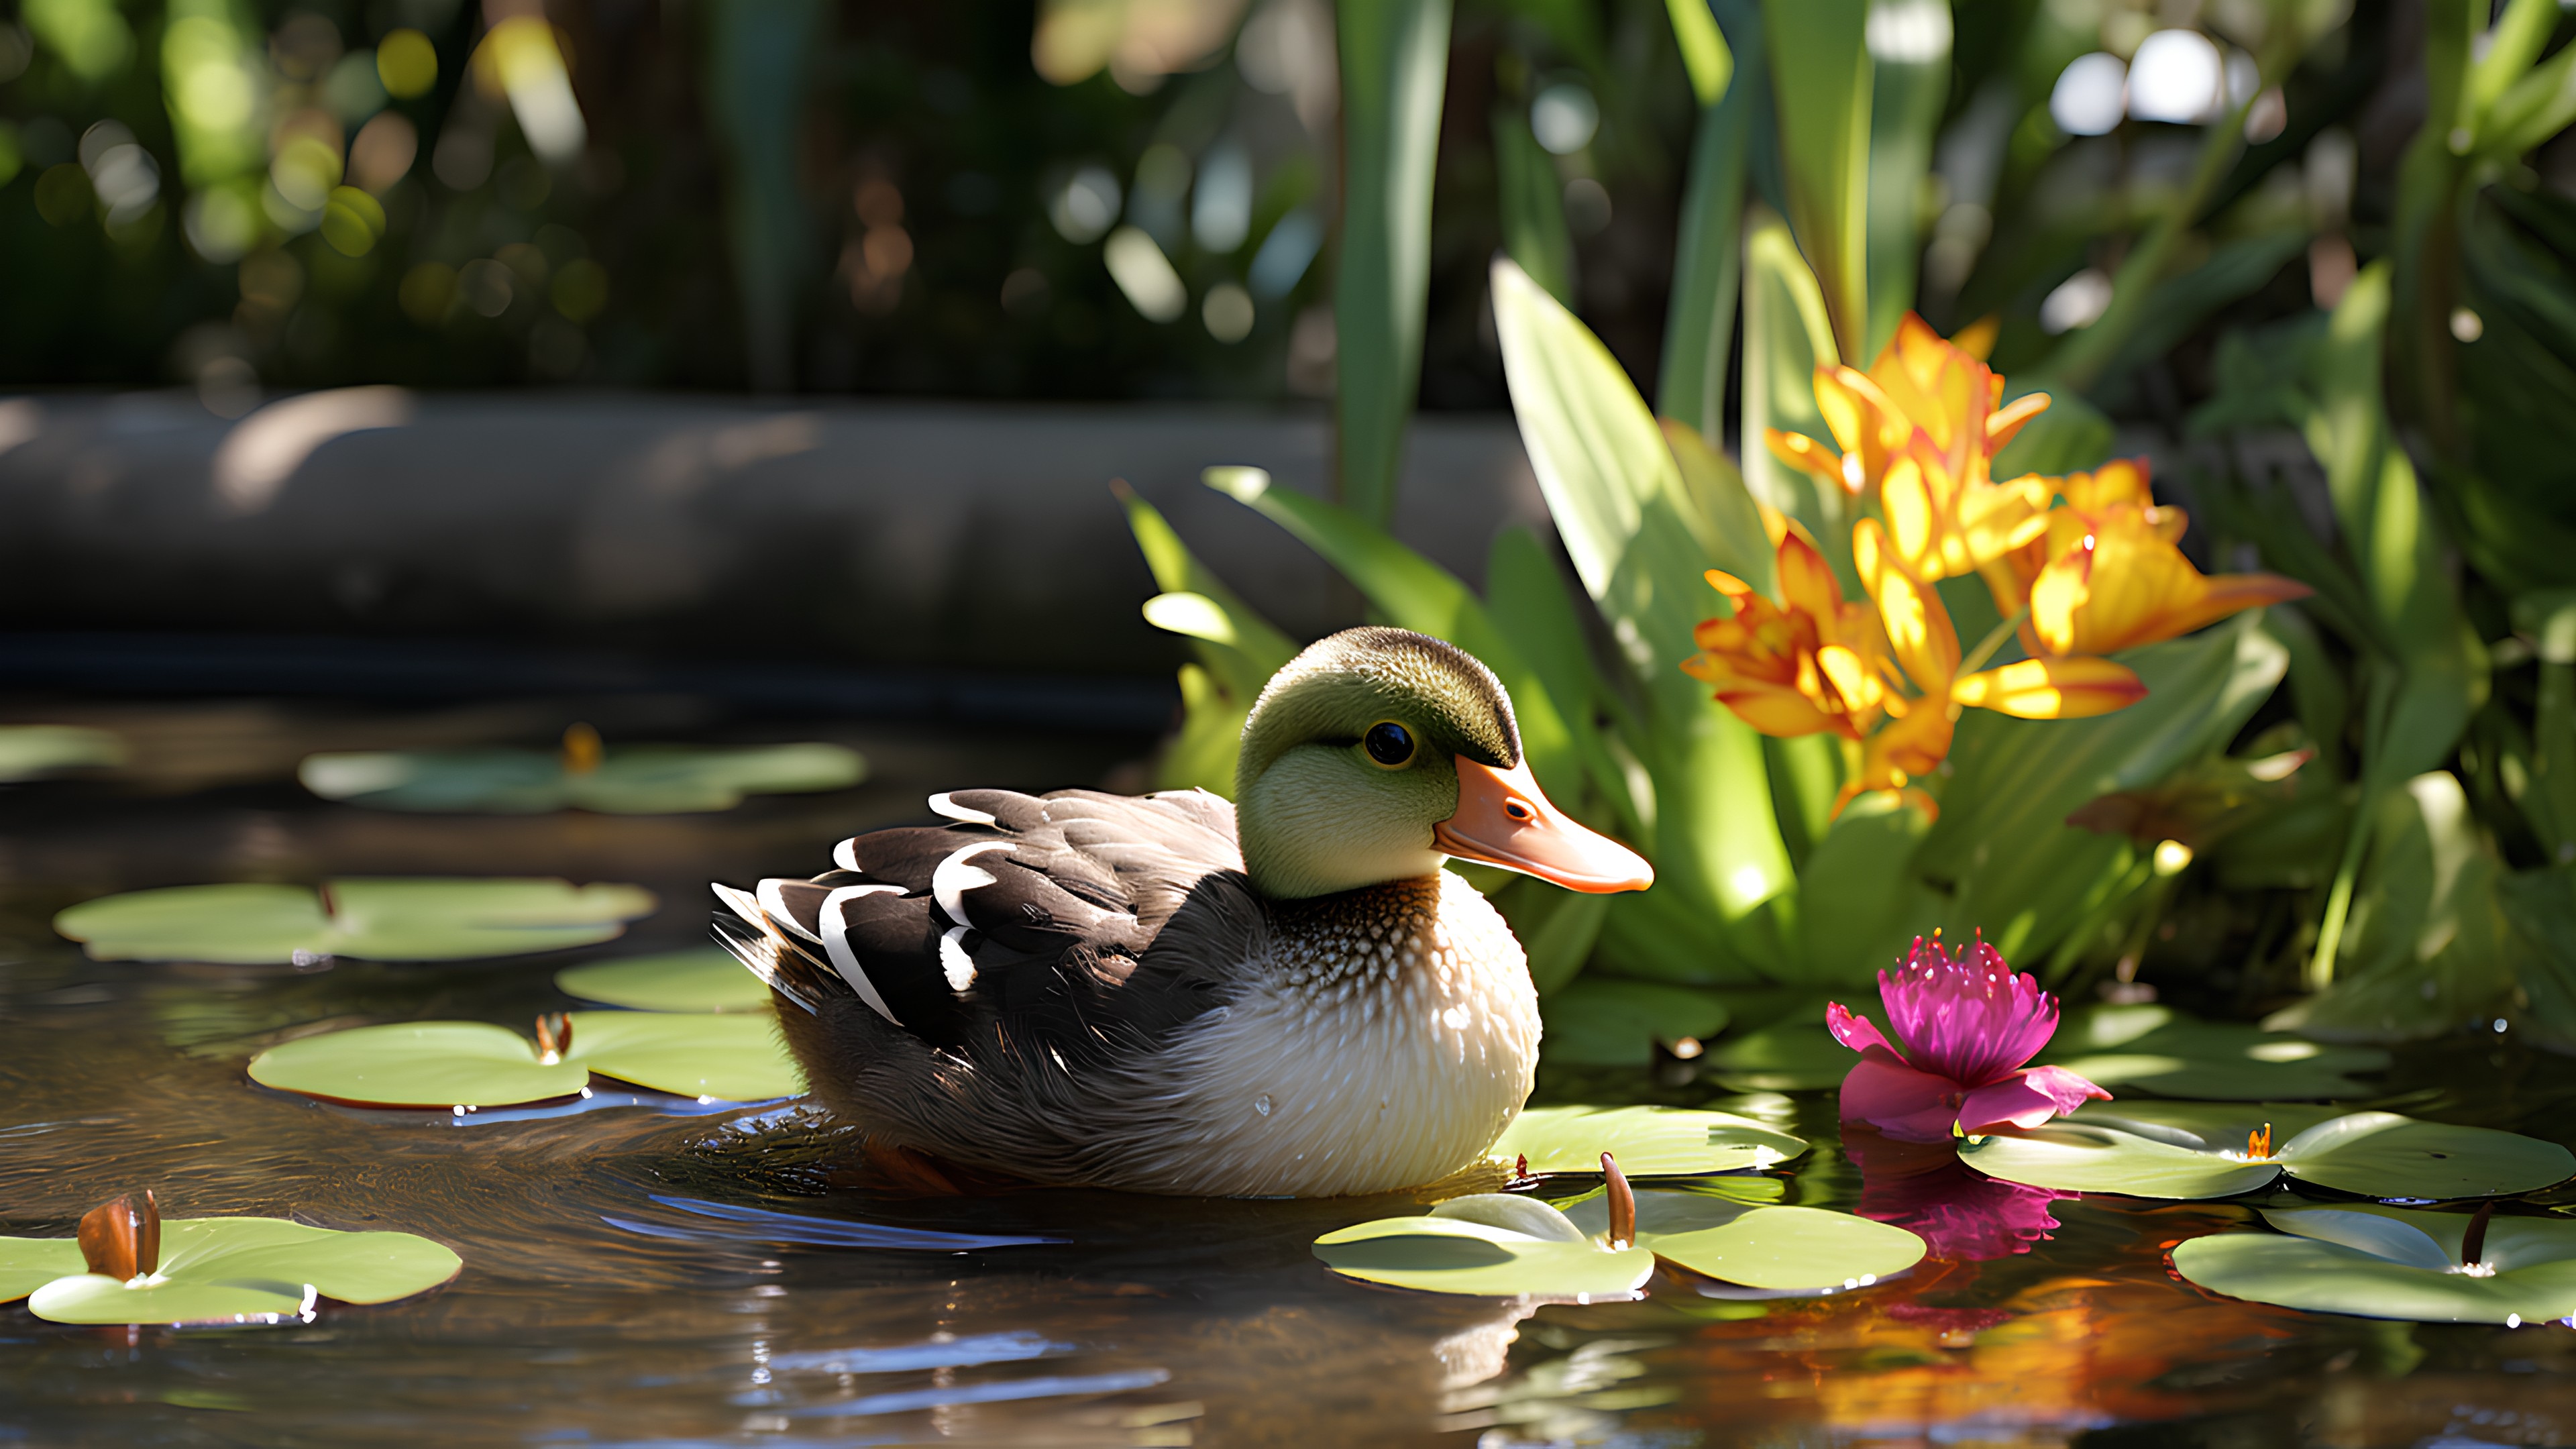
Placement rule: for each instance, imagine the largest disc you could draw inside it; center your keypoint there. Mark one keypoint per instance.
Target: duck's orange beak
(1505, 819)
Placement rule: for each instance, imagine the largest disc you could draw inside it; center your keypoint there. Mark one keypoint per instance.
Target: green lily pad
(1601, 1022)
(1648, 1141)
(708, 980)
(377, 919)
(622, 780)
(225, 1270)
(1464, 1246)
(2383, 1262)
(474, 1064)
(30, 751)
(1779, 1248)
(2158, 1049)
(2200, 1150)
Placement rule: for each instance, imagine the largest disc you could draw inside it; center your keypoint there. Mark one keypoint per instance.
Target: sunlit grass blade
(1909, 48)
(1821, 80)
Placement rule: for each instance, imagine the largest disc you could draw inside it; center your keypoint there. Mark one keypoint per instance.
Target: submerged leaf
(2383, 1262)
(1648, 1141)
(376, 919)
(226, 1270)
(703, 980)
(2197, 1150)
(621, 780)
(473, 1064)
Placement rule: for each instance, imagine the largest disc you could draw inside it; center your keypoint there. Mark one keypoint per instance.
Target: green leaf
(1533, 205)
(2073, 436)
(223, 1270)
(1723, 518)
(2160, 1050)
(1858, 904)
(1648, 1141)
(1598, 1021)
(2382, 1262)
(709, 979)
(2198, 1150)
(1787, 336)
(1440, 1254)
(1821, 80)
(1557, 929)
(30, 750)
(629, 779)
(1795, 1055)
(1704, 53)
(1395, 58)
(1699, 327)
(471, 1064)
(2540, 907)
(376, 919)
(1909, 54)
(27, 1264)
(1775, 1248)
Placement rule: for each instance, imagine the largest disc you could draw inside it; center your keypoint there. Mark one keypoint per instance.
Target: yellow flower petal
(1919, 633)
(2051, 688)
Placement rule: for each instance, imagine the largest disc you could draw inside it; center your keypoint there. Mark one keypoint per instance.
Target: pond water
(648, 1270)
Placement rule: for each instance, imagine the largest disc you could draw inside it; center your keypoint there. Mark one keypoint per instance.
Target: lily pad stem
(1623, 1204)
(1993, 641)
(2473, 1243)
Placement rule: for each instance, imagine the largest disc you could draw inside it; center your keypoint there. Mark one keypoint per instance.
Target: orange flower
(2124, 584)
(1944, 523)
(1921, 387)
(1807, 664)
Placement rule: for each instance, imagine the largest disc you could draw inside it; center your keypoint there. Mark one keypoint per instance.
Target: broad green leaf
(1533, 205)
(222, 1270)
(471, 1064)
(628, 779)
(1821, 81)
(2003, 847)
(1908, 42)
(1795, 1055)
(2540, 908)
(1704, 54)
(1599, 1021)
(1778, 1248)
(2199, 1150)
(1699, 325)
(1530, 606)
(2160, 1050)
(1394, 65)
(2071, 437)
(1557, 929)
(376, 919)
(1858, 904)
(1787, 336)
(30, 750)
(709, 979)
(1723, 517)
(2381, 1262)
(27, 1264)
(1647, 1141)
(1456, 1255)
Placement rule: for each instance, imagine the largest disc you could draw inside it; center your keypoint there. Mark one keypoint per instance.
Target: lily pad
(708, 980)
(1781, 1248)
(474, 1064)
(30, 751)
(377, 919)
(1488, 1245)
(2160, 1050)
(617, 780)
(1648, 1141)
(214, 1270)
(2208, 1150)
(2383, 1262)
(1601, 1022)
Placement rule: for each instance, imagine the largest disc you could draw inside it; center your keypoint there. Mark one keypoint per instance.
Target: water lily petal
(1968, 1016)
(1856, 1031)
(2052, 688)
(1899, 1100)
(2012, 1102)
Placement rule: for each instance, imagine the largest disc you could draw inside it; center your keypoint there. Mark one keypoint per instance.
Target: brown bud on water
(120, 1243)
(1623, 1204)
(554, 1036)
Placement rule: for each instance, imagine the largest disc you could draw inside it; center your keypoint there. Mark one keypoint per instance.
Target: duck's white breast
(1384, 1044)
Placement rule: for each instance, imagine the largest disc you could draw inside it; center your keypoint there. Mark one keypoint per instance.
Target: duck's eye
(1389, 743)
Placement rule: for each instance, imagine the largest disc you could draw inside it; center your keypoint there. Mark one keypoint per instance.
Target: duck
(1287, 995)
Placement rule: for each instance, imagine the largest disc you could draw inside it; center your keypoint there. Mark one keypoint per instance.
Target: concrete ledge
(932, 535)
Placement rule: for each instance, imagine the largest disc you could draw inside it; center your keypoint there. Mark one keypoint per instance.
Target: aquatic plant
(463, 1065)
(2194, 1150)
(1923, 1188)
(127, 1265)
(1651, 1141)
(32, 751)
(707, 979)
(583, 775)
(1606, 1243)
(1964, 1024)
(2388, 1262)
(371, 918)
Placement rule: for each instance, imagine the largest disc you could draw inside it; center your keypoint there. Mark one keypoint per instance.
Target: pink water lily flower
(1964, 1023)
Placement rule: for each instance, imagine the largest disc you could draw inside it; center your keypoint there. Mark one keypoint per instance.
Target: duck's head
(1378, 753)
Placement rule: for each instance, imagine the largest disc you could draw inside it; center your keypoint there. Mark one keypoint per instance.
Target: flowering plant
(1965, 1023)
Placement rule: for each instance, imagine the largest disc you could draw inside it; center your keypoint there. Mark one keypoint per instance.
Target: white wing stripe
(954, 877)
(941, 804)
(836, 940)
(773, 899)
(953, 959)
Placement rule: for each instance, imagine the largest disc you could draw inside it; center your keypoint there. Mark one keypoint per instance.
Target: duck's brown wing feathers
(1033, 913)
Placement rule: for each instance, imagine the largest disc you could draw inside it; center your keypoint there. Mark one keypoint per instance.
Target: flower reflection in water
(1960, 1215)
